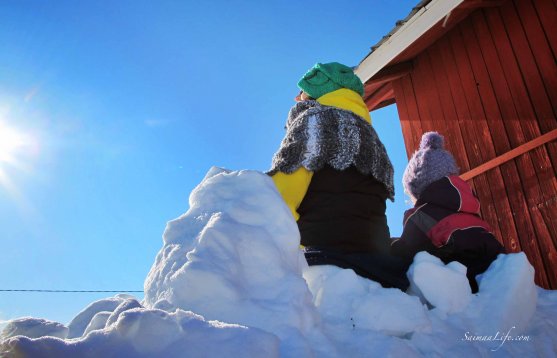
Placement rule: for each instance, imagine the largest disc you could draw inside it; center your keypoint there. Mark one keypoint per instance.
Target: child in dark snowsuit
(334, 174)
(445, 220)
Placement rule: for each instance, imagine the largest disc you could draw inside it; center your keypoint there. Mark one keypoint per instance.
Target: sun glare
(16, 150)
(11, 142)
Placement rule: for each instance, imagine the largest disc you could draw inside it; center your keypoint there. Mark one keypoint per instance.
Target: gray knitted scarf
(318, 135)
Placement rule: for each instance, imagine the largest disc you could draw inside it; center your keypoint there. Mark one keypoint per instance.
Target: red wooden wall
(490, 85)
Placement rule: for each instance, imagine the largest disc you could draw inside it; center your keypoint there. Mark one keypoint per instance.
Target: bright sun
(11, 142)
(18, 149)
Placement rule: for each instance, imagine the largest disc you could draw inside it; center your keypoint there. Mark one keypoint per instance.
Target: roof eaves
(422, 17)
(399, 24)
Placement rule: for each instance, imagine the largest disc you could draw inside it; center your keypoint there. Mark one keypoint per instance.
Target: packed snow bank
(230, 279)
(225, 257)
(141, 332)
(508, 296)
(347, 301)
(442, 286)
(79, 324)
(34, 328)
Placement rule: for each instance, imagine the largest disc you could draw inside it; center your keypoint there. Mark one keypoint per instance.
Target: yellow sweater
(293, 187)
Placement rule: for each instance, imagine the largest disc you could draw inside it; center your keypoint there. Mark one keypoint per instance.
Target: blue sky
(120, 108)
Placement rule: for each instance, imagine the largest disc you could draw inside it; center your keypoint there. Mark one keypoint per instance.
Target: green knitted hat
(328, 77)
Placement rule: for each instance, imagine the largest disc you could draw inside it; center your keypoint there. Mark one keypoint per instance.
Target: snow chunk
(80, 322)
(122, 307)
(349, 302)
(443, 286)
(507, 296)
(234, 257)
(34, 328)
(141, 332)
(97, 322)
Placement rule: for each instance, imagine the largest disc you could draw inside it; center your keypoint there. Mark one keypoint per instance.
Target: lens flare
(11, 142)
(17, 149)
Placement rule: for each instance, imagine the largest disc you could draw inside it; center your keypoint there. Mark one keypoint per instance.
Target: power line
(70, 291)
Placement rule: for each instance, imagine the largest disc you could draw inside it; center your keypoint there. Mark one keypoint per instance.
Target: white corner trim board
(412, 30)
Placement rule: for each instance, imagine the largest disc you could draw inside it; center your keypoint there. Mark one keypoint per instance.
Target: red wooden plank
(454, 123)
(461, 106)
(482, 58)
(547, 12)
(405, 123)
(382, 94)
(494, 183)
(548, 70)
(450, 101)
(537, 93)
(482, 95)
(543, 56)
(423, 111)
(470, 134)
(412, 108)
(389, 74)
(529, 69)
(526, 113)
(542, 209)
(427, 98)
(435, 33)
(386, 103)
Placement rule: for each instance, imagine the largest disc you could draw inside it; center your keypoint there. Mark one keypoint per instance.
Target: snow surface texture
(230, 279)
(243, 244)
(428, 271)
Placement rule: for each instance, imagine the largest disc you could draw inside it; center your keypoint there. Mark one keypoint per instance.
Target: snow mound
(508, 296)
(79, 324)
(225, 257)
(347, 301)
(231, 280)
(34, 328)
(443, 286)
(141, 332)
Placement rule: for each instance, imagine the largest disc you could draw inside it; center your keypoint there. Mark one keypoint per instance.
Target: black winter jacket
(445, 222)
(344, 211)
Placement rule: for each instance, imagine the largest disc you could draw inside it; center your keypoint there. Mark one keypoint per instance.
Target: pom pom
(432, 140)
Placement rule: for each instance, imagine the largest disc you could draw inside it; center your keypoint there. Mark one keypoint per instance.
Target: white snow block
(234, 257)
(33, 328)
(142, 333)
(126, 305)
(349, 302)
(444, 287)
(80, 322)
(97, 322)
(507, 296)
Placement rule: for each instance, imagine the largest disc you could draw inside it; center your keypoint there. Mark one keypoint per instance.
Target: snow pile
(234, 256)
(443, 287)
(34, 328)
(347, 301)
(508, 296)
(90, 316)
(141, 332)
(230, 279)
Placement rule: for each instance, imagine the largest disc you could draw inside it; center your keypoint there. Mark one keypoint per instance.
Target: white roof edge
(412, 29)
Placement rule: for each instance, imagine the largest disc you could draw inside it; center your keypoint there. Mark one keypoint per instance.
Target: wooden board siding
(409, 114)
(490, 85)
